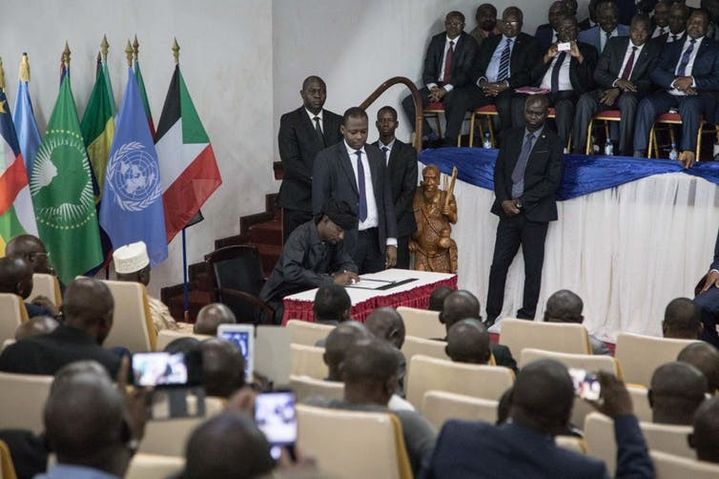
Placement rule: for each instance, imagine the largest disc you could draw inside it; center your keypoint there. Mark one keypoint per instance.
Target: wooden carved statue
(435, 211)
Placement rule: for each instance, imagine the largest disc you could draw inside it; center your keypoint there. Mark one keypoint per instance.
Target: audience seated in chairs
(33, 250)
(678, 16)
(677, 389)
(705, 358)
(386, 324)
(437, 297)
(660, 19)
(16, 278)
(607, 27)
(486, 18)
(564, 306)
(35, 327)
(468, 342)
(332, 305)
(223, 368)
(705, 436)
(546, 34)
(681, 320)
(211, 316)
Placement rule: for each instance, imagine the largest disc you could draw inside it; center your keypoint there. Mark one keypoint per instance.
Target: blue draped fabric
(582, 175)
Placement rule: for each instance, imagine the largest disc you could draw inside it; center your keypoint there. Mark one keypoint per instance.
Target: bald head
(89, 306)
(468, 342)
(32, 249)
(705, 358)
(370, 372)
(35, 326)
(227, 445)
(436, 299)
(211, 316)
(705, 437)
(681, 319)
(15, 276)
(223, 367)
(676, 391)
(460, 304)
(386, 324)
(332, 303)
(564, 306)
(338, 342)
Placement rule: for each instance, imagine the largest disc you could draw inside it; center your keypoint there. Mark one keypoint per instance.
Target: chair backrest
(12, 313)
(580, 361)
(573, 443)
(518, 334)
(641, 355)
(440, 406)
(272, 354)
(132, 325)
(426, 347)
(342, 441)
(153, 466)
(23, 400)
(304, 332)
(670, 466)
(668, 438)
(422, 323)
(7, 468)
(307, 387)
(238, 267)
(166, 336)
(640, 401)
(307, 361)
(46, 285)
(427, 373)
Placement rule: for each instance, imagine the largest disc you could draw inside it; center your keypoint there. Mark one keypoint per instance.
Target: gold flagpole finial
(128, 53)
(136, 48)
(66, 55)
(104, 47)
(2, 76)
(24, 68)
(176, 51)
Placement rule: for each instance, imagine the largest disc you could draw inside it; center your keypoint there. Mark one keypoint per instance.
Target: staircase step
(196, 300)
(269, 232)
(269, 254)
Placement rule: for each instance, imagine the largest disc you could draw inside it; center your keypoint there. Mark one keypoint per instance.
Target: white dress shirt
(312, 119)
(680, 36)
(659, 31)
(690, 65)
(389, 150)
(446, 86)
(565, 83)
(603, 38)
(372, 220)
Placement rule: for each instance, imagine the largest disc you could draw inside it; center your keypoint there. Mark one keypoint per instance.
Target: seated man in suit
(660, 19)
(705, 435)
(303, 133)
(622, 74)
(566, 75)
(88, 310)
(211, 316)
(591, 20)
(708, 301)
(223, 367)
(468, 342)
(356, 173)
(33, 250)
(332, 305)
(401, 161)
(564, 306)
(436, 299)
(688, 73)
(705, 358)
(447, 65)
(681, 320)
(678, 16)
(546, 33)
(606, 28)
(315, 255)
(386, 324)
(540, 408)
(675, 392)
(16, 278)
(503, 64)
(36, 326)
(486, 17)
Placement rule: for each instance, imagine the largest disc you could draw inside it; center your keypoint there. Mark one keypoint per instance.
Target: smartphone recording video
(243, 337)
(159, 369)
(586, 384)
(275, 416)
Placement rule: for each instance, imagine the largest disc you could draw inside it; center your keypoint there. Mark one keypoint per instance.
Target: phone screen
(241, 339)
(586, 384)
(276, 417)
(159, 369)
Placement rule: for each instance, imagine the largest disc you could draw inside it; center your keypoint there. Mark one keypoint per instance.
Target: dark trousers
(691, 108)
(471, 97)
(410, 110)
(708, 304)
(291, 219)
(563, 103)
(367, 255)
(403, 252)
(511, 233)
(588, 105)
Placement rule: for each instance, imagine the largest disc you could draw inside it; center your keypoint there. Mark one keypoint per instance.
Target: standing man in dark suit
(607, 26)
(355, 172)
(688, 73)
(503, 64)
(546, 33)
(526, 178)
(303, 133)
(401, 161)
(447, 65)
(622, 74)
(566, 75)
(707, 301)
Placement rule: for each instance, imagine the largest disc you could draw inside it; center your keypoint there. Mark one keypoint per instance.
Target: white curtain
(626, 251)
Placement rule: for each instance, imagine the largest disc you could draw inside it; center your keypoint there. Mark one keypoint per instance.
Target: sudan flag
(188, 169)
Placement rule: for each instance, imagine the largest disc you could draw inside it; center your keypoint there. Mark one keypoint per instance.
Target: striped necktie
(504, 61)
(682, 68)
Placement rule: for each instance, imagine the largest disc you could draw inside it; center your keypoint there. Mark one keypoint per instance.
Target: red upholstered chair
(486, 112)
(606, 116)
(671, 119)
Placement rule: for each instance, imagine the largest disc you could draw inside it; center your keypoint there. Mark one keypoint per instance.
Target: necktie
(504, 62)
(385, 150)
(362, 214)
(607, 35)
(521, 166)
(630, 64)
(682, 68)
(674, 38)
(448, 59)
(555, 71)
(318, 129)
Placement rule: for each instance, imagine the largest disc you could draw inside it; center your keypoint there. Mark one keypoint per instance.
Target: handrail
(416, 97)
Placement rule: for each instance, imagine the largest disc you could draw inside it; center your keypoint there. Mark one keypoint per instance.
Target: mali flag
(61, 187)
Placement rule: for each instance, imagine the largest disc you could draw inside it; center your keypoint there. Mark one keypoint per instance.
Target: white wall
(226, 59)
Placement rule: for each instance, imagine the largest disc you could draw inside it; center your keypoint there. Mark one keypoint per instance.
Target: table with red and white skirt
(401, 287)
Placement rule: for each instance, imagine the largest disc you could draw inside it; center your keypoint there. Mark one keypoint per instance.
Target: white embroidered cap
(130, 258)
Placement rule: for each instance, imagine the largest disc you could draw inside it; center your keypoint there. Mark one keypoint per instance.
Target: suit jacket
(544, 35)
(610, 64)
(524, 56)
(585, 24)
(299, 144)
(541, 177)
(580, 74)
(715, 263)
(481, 450)
(402, 172)
(593, 35)
(465, 51)
(333, 177)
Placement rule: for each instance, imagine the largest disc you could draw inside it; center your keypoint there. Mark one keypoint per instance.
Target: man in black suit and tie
(526, 176)
(678, 16)
(688, 73)
(401, 160)
(546, 33)
(622, 74)
(303, 133)
(503, 64)
(355, 172)
(447, 65)
(565, 74)
(707, 301)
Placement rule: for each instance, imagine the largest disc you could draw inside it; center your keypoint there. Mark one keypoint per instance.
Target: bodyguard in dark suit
(354, 172)
(622, 74)
(401, 160)
(708, 301)
(688, 73)
(303, 133)
(503, 64)
(607, 26)
(526, 176)
(546, 33)
(447, 65)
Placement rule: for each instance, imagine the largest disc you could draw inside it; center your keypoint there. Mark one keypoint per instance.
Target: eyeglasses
(454, 24)
(509, 24)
